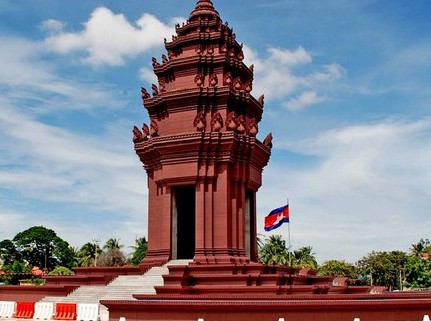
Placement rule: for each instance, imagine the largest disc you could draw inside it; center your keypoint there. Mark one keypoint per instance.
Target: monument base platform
(403, 307)
(230, 292)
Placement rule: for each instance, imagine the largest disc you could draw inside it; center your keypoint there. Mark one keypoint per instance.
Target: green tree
(140, 250)
(337, 268)
(383, 268)
(304, 257)
(8, 252)
(418, 266)
(40, 246)
(274, 251)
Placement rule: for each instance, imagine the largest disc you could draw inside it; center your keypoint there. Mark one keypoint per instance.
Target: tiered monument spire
(200, 151)
(204, 166)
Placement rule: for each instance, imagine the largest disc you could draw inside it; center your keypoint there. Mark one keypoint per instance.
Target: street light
(96, 246)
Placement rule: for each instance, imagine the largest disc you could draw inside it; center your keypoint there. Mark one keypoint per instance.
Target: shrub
(61, 270)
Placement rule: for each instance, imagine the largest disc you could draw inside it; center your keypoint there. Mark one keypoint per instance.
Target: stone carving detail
(251, 68)
(268, 140)
(248, 86)
(241, 124)
(261, 100)
(231, 122)
(154, 129)
(145, 131)
(198, 50)
(240, 56)
(164, 59)
(144, 93)
(155, 90)
(199, 80)
(237, 83)
(200, 121)
(213, 80)
(231, 53)
(137, 135)
(155, 63)
(210, 50)
(227, 81)
(216, 122)
(252, 127)
(223, 48)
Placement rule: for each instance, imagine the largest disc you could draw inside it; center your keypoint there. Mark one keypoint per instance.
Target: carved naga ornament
(241, 125)
(137, 135)
(200, 122)
(252, 127)
(154, 129)
(216, 122)
(231, 122)
(268, 141)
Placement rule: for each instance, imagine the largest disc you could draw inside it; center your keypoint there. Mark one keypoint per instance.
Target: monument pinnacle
(203, 8)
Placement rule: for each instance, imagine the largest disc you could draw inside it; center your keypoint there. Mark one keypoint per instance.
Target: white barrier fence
(46, 311)
(7, 309)
(43, 311)
(87, 312)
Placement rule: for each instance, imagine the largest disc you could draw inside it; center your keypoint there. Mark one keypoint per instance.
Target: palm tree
(139, 242)
(274, 251)
(304, 257)
(74, 252)
(87, 254)
(113, 244)
(420, 247)
(140, 250)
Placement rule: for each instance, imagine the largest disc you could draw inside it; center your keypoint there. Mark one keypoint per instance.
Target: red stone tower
(201, 154)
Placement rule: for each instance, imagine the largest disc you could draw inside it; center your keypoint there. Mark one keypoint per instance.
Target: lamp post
(96, 246)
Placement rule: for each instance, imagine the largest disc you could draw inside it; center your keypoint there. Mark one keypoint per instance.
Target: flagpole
(288, 235)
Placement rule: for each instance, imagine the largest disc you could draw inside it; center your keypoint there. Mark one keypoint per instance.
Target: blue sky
(348, 100)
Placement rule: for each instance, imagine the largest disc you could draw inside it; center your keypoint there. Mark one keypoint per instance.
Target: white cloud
(108, 38)
(53, 26)
(366, 187)
(287, 57)
(36, 81)
(303, 100)
(285, 73)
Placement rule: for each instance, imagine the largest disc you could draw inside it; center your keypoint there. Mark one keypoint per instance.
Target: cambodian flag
(276, 218)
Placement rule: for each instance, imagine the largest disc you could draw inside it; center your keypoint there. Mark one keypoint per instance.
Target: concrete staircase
(121, 288)
(124, 286)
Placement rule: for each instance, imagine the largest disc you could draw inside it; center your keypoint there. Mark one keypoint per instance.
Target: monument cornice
(205, 149)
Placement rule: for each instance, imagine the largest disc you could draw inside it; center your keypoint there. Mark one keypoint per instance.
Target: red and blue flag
(276, 218)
